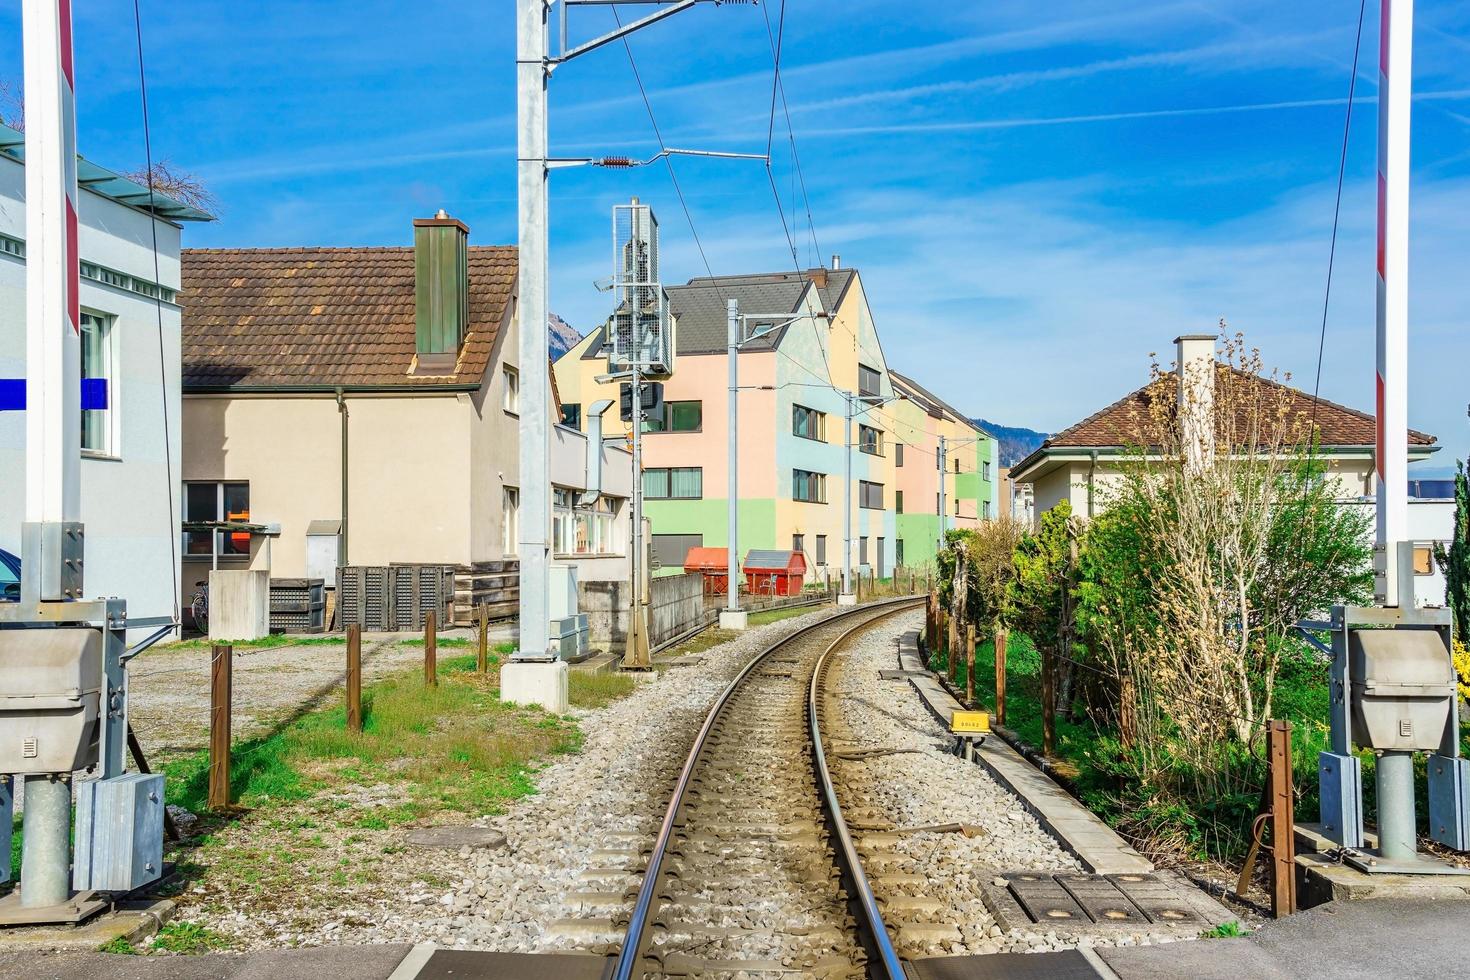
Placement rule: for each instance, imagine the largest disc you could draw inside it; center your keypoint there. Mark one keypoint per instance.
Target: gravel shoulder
(923, 784)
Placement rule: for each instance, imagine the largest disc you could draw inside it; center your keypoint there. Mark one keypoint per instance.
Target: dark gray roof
(699, 305)
(931, 402)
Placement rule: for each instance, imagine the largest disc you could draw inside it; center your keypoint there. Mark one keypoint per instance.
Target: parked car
(9, 577)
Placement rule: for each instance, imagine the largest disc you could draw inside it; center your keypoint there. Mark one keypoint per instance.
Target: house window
(957, 464)
(870, 495)
(808, 423)
(898, 501)
(561, 521)
(1423, 559)
(512, 390)
(510, 523)
(985, 469)
(674, 483)
(808, 486)
(863, 550)
(985, 508)
(870, 381)
(594, 529)
(571, 414)
(678, 417)
(957, 506)
(670, 550)
(821, 549)
(97, 364)
(798, 543)
(870, 440)
(898, 551)
(898, 454)
(217, 501)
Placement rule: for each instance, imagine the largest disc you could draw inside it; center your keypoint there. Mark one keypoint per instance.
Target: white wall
(131, 525)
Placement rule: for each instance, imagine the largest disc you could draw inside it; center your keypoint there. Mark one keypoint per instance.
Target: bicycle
(199, 607)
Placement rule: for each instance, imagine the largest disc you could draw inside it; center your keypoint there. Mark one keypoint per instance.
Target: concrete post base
(536, 683)
(737, 619)
(847, 599)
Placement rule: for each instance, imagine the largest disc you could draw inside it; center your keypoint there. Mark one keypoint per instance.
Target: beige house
(363, 403)
(1079, 463)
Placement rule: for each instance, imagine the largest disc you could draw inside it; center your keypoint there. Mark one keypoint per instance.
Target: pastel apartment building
(812, 348)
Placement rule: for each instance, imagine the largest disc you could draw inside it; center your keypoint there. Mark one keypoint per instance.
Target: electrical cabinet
(119, 833)
(1403, 687)
(50, 692)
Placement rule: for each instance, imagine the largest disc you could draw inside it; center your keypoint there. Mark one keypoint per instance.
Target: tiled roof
(699, 306)
(1118, 425)
(267, 318)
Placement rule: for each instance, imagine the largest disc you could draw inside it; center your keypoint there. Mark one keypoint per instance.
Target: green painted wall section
(710, 518)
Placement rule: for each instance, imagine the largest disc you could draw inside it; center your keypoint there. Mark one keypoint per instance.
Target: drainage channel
(752, 872)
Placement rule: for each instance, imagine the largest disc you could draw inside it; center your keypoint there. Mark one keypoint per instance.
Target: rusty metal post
(1000, 677)
(431, 649)
(354, 678)
(970, 664)
(1283, 820)
(220, 683)
(482, 657)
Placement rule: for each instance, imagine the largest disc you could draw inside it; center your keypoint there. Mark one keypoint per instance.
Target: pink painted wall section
(705, 378)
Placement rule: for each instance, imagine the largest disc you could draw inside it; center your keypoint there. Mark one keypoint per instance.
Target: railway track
(754, 871)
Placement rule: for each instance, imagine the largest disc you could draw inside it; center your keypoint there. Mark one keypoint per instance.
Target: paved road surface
(1351, 941)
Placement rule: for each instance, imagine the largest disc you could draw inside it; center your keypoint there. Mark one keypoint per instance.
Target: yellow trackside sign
(969, 722)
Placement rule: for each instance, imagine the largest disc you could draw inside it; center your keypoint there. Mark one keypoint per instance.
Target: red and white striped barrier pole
(53, 313)
(1395, 56)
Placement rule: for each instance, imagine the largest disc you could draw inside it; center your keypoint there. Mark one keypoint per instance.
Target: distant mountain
(563, 337)
(1015, 443)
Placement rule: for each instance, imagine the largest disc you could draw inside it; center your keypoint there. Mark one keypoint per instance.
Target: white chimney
(836, 261)
(1194, 364)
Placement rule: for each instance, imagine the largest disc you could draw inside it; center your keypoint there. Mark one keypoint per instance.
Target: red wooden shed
(774, 572)
(709, 562)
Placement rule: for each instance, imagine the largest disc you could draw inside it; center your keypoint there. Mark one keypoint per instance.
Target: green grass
(188, 938)
(589, 690)
(119, 946)
(766, 616)
(457, 745)
(1225, 930)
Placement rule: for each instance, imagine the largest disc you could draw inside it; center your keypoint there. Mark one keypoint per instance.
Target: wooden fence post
(1000, 677)
(970, 664)
(1283, 821)
(482, 659)
(354, 678)
(1048, 704)
(220, 685)
(953, 638)
(431, 649)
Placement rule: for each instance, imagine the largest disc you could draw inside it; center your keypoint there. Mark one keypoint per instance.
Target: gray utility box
(50, 690)
(119, 835)
(7, 825)
(1403, 688)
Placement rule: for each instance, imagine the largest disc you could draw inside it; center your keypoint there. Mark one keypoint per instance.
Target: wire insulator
(619, 162)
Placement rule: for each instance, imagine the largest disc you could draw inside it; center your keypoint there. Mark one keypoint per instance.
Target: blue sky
(1038, 195)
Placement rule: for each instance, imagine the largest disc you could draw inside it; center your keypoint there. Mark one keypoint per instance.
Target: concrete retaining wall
(676, 605)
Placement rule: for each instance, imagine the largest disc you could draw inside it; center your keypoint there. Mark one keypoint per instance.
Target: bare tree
(12, 105)
(182, 186)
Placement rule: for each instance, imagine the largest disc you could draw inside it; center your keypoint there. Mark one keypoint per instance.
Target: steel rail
(883, 959)
(637, 936)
